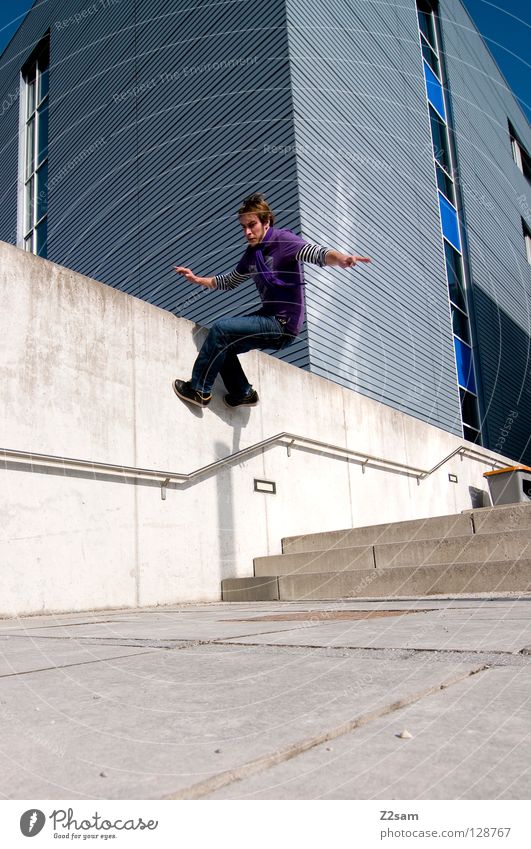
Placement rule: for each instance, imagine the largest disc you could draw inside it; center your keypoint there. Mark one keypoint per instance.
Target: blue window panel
(465, 369)
(449, 223)
(434, 89)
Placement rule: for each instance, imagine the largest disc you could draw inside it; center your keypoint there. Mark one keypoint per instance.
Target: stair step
(511, 545)
(500, 519)
(336, 560)
(250, 589)
(504, 517)
(464, 549)
(443, 579)
(438, 526)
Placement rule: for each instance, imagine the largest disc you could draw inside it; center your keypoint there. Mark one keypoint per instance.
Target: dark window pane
(30, 147)
(426, 23)
(42, 126)
(471, 435)
(431, 58)
(43, 83)
(41, 233)
(445, 184)
(31, 97)
(469, 409)
(454, 272)
(42, 190)
(28, 206)
(460, 325)
(439, 135)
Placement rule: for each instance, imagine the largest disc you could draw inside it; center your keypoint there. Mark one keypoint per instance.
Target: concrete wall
(87, 372)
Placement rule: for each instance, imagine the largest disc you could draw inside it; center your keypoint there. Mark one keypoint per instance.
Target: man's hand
(208, 282)
(347, 261)
(344, 260)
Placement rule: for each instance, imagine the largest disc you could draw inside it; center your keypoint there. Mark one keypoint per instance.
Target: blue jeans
(229, 337)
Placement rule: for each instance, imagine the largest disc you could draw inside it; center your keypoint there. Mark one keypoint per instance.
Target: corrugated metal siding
(496, 196)
(93, 175)
(367, 185)
(160, 117)
(217, 94)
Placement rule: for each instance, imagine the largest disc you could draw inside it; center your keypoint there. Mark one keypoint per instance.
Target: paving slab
(422, 630)
(152, 725)
(29, 655)
(179, 629)
(88, 717)
(471, 741)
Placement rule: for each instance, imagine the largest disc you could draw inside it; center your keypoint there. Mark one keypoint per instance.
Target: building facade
(130, 131)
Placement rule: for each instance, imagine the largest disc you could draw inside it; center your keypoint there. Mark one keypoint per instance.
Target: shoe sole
(189, 400)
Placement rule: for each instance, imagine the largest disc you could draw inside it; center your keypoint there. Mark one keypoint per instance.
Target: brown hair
(257, 203)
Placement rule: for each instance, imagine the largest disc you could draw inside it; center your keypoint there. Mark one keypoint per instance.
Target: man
(273, 258)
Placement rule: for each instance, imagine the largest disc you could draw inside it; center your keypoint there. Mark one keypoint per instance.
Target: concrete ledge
(335, 560)
(504, 576)
(508, 517)
(250, 589)
(467, 549)
(463, 549)
(430, 528)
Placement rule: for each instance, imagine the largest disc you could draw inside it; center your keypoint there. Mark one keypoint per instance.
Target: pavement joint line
(222, 779)
(70, 665)
(515, 653)
(190, 642)
(229, 642)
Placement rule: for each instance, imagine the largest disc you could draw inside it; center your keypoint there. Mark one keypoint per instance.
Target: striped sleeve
(312, 253)
(229, 281)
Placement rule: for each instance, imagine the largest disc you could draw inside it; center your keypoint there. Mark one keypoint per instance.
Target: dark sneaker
(183, 389)
(249, 400)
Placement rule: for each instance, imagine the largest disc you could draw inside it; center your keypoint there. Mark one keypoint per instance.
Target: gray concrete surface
(504, 517)
(474, 548)
(270, 700)
(458, 524)
(497, 576)
(84, 540)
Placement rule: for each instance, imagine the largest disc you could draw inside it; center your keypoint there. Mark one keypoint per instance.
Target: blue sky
(505, 25)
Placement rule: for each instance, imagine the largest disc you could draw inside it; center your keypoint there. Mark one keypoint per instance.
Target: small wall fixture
(452, 478)
(265, 486)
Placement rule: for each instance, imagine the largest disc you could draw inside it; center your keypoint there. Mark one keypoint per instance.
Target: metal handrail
(291, 440)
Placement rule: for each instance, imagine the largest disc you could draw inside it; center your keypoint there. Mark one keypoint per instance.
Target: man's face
(253, 229)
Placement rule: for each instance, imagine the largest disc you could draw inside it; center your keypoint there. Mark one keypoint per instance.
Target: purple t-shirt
(285, 297)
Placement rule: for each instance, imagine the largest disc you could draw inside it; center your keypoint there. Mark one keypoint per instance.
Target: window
(439, 135)
(454, 273)
(427, 23)
(520, 154)
(448, 195)
(527, 240)
(35, 163)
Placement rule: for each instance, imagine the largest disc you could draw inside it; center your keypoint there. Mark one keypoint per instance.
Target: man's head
(256, 217)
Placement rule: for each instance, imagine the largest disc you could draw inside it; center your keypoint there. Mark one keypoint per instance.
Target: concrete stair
(481, 550)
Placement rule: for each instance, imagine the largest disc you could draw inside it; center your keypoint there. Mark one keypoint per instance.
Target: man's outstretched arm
(318, 255)
(207, 282)
(219, 281)
(344, 260)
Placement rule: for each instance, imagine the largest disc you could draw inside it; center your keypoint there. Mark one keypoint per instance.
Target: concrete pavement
(270, 700)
